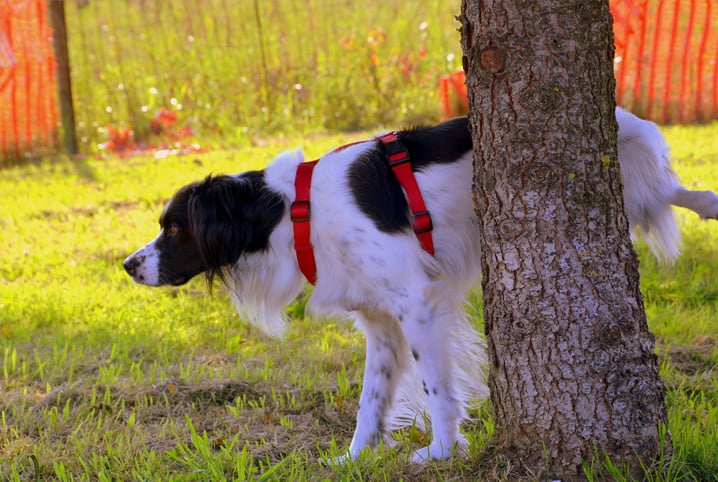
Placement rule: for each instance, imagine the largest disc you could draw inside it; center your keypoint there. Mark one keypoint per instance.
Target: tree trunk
(573, 374)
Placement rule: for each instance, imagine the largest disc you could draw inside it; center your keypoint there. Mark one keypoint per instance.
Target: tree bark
(573, 374)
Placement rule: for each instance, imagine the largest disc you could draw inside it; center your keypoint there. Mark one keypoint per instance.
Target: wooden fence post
(64, 85)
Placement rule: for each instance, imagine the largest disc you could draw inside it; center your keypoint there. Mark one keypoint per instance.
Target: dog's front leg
(386, 352)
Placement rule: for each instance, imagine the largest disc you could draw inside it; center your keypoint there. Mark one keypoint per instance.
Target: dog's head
(205, 228)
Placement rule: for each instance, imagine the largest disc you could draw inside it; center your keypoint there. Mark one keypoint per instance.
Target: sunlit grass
(104, 379)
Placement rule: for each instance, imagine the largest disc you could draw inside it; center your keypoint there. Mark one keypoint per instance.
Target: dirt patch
(85, 211)
(695, 358)
(171, 392)
(274, 426)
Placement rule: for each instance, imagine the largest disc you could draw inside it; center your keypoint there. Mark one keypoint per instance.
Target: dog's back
(360, 216)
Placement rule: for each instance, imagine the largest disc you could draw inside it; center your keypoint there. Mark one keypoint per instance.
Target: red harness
(300, 210)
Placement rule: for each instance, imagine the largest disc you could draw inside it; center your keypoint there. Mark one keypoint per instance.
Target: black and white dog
(422, 354)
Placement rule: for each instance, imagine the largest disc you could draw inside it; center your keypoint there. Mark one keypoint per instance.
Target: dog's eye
(172, 230)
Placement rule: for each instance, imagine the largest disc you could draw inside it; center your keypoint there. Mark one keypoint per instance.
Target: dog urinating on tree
(372, 263)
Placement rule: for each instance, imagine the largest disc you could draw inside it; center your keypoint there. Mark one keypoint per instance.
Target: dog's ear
(221, 214)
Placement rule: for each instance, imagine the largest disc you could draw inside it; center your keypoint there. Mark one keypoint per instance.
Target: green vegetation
(234, 68)
(106, 380)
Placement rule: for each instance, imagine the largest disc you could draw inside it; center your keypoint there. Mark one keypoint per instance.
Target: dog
(422, 354)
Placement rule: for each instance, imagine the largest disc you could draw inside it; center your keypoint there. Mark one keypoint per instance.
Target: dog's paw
(707, 208)
(712, 211)
(353, 455)
(337, 461)
(439, 451)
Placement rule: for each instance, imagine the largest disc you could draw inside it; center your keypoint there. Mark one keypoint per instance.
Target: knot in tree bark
(492, 60)
(510, 229)
(542, 175)
(544, 98)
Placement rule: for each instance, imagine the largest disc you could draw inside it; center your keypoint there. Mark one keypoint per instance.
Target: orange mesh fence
(666, 67)
(453, 95)
(666, 61)
(28, 113)
(666, 53)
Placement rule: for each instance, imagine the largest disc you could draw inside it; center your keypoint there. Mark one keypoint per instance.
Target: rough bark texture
(573, 371)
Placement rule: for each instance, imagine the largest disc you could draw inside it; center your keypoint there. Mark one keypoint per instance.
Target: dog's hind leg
(425, 328)
(705, 203)
(386, 354)
(658, 222)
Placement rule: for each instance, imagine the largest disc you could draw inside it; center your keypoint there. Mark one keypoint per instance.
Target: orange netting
(666, 67)
(28, 112)
(666, 63)
(666, 58)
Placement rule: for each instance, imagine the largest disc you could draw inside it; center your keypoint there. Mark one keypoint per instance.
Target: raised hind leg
(705, 203)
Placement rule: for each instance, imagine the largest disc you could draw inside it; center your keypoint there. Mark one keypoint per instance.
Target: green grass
(234, 68)
(102, 379)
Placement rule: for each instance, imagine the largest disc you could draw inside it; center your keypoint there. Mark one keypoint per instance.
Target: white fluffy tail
(661, 233)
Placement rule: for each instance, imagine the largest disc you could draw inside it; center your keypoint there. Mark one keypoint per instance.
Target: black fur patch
(375, 188)
(179, 259)
(231, 216)
(440, 144)
(217, 220)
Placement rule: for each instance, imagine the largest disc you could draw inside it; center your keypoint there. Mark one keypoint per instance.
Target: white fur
(383, 278)
(650, 186)
(148, 272)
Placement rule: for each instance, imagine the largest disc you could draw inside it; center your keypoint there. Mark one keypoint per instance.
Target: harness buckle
(422, 222)
(396, 153)
(300, 211)
(399, 157)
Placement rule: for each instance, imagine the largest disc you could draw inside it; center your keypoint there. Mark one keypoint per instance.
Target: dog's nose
(130, 265)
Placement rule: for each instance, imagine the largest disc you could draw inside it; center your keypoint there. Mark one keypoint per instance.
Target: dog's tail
(661, 233)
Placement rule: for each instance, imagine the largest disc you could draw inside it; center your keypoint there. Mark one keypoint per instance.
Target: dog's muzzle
(141, 266)
(130, 265)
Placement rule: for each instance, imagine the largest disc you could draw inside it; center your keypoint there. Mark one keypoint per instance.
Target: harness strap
(301, 213)
(400, 164)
